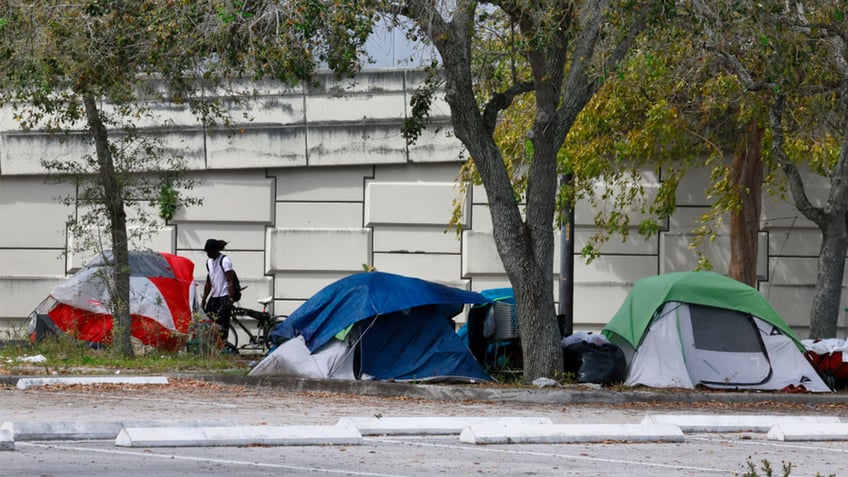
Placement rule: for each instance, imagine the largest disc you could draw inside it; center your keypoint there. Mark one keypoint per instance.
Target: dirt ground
(185, 398)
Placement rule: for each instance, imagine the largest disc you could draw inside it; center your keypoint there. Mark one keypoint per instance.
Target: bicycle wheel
(232, 338)
(265, 337)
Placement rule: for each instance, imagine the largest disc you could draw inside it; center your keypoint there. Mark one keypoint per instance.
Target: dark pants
(218, 308)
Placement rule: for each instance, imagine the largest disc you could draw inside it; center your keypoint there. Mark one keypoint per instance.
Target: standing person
(219, 290)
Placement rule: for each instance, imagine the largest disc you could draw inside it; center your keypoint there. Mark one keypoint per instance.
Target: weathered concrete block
(317, 249)
(409, 203)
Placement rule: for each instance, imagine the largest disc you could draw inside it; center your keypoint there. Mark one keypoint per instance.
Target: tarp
(404, 327)
(162, 300)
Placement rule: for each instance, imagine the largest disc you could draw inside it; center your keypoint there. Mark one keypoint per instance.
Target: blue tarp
(405, 322)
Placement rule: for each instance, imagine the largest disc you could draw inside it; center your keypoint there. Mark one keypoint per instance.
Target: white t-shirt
(217, 267)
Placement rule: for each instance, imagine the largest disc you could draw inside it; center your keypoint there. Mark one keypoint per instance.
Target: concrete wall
(319, 183)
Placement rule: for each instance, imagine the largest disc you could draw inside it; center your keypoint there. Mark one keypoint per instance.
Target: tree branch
(796, 183)
(501, 101)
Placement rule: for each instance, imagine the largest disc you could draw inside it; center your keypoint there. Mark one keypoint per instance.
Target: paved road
(184, 399)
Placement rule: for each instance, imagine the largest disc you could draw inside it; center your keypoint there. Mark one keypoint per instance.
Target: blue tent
(400, 326)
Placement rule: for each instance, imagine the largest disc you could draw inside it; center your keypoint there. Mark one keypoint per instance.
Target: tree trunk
(824, 313)
(747, 175)
(832, 220)
(113, 201)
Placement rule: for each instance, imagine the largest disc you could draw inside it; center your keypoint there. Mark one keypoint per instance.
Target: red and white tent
(163, 298)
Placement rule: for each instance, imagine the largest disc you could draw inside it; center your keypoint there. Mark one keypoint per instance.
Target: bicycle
(260, 340)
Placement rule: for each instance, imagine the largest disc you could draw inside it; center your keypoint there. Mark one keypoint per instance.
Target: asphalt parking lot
(301, 403)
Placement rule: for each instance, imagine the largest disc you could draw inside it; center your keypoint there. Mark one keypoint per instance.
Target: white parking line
(143, 454)
(553, 454)
(765, 443)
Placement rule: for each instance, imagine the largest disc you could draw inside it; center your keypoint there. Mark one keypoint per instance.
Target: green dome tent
(701, 288)
(685, 329)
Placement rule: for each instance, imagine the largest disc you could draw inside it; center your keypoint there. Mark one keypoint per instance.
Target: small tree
(89, 67)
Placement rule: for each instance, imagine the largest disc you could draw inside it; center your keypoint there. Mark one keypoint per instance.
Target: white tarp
(292, 358)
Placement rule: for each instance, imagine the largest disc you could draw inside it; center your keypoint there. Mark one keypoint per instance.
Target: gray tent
(701, 328)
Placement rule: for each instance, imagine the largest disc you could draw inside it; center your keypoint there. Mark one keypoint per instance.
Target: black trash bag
(595, 363)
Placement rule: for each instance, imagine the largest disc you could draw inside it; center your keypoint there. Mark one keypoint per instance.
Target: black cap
(213, 244)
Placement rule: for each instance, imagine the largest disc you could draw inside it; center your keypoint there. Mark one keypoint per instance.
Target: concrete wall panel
(368, 82)
(444, 172)
(607, 299)
(615, 270)
(256, 147)
(298, 286)
(318, 249)
(780, 213)
(429, 266)
(30, 217)
(355, 107)
(435, 145)
(191, 236)
(409, 203)
(326, 184)
(22, 294)
(686, 219)
(160, 241)
(355, 143)
(413, 239)
(692, 189)
(316, 215)
(25, 151)
(231, 198)
(678, 257)
(273, 108)
(32, 262)
(794, 241)
(633, 245)
(480, 256)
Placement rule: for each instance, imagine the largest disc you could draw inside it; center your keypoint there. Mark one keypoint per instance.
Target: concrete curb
(238, 436)
(26, 383)
(808, 432)
(90, 430)
(7, 442)
(388, 426)
(571, 433)
(735, 423)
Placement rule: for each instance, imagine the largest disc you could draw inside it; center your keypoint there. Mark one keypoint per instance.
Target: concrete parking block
(571, 433)
(385, 426)
(808, 432)
(25, 383)
(728, 423)
(237, 436)
(7, 442)
(90, 430)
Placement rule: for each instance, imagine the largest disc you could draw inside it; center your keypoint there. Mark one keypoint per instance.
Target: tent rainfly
(162, 301)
